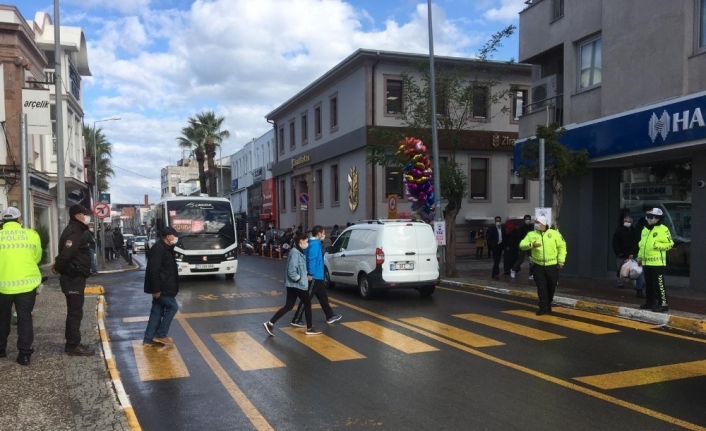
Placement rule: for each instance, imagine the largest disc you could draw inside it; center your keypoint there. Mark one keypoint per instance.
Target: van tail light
(379, 256)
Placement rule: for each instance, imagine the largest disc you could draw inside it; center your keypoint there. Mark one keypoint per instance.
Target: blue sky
(157, 62)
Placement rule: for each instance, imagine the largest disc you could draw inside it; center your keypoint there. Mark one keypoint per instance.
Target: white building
(181, 179)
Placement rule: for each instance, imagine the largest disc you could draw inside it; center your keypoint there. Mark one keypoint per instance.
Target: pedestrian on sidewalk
(119, 242)
(296, 282)
(495, 237)
(335, 233)
(525, 228)
(20, 252)
(512, 246)
(626, 239)
(74, 265)
(480, 243)
(162, 282)
(109, 243)
(91, 247)
(655, 241)
(548, 254)
(315, 274)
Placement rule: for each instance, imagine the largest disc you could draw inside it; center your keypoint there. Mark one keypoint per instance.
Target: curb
(94, 290)
(123, 399)
(689, 324)
(132, 267)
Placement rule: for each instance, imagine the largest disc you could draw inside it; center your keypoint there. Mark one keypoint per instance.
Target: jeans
(163, 311)
(24, 304)
(92, 250)
(318, 289)
(292, 294)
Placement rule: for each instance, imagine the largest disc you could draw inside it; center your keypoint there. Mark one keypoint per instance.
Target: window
(480, 101)
(479, 179)
(305, 129)
(590, 66)
(292, 136)
(519, 100)
(317, 122)
(333, 104)
(283, 196)
(557, 9)
(393, 96)
(442, 102)
(294, 195)
(702, 24)
(334, 184)
(393, 182)
(319, 187)
(518, 185)
(281, 140)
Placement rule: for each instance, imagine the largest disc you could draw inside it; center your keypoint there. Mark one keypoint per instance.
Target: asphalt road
(460, 360)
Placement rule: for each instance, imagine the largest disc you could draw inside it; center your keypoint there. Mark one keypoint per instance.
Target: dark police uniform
(74, 265)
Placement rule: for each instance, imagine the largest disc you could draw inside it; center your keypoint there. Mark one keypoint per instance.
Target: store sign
(296, 161)
(35, 104)
(502, 141)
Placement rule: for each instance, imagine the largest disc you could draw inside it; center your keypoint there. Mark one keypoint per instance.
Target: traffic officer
(655, 240)
(20, 252)
(548, 254)
(74, 265)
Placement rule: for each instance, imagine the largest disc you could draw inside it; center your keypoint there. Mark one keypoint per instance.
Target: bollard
(279, 251)
(271, 254)
(262, 250)
(241, 247)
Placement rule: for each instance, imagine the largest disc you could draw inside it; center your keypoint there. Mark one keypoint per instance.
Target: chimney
(147, 200)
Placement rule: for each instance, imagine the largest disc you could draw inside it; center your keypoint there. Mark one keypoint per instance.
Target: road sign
(104, 197)
(303, 198)
(440, 232)
(101, 210)
(305, 207)
(392, 206)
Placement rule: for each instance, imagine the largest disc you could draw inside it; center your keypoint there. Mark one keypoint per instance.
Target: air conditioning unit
(269, 165)
(543, 91)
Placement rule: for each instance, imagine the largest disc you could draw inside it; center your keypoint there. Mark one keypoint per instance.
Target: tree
(103, 149)
(561, 164)
(190, 140)
(459, 91)
(208, 127)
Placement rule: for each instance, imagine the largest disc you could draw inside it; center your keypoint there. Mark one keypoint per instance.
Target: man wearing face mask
(495, 237)
(162, 282)
(548, 254)
(91, 246)
(525, 228)
(74, 265)
(625, 241)
(655, 241)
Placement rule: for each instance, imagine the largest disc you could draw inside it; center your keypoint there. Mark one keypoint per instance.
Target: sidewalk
(57, 391)
(687, 307)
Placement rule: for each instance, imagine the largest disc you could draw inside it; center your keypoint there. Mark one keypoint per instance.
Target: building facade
(180, 180)
(321, 170)
(630, 89)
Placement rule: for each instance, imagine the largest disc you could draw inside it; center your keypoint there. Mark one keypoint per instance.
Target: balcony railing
(553, 106)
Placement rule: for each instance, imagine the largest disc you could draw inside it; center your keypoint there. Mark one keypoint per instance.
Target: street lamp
(95, 185)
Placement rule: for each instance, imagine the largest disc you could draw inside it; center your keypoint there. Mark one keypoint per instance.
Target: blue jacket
(296, 270)
(315, 259)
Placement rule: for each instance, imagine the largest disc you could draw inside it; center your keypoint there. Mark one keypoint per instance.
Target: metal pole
(541, 173)
(434, 134)
(99, 222)
(24, 171)
(59, 99)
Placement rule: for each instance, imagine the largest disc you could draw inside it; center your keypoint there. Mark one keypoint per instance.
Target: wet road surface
(458, 360)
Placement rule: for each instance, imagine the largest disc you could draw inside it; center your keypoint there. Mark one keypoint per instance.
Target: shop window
(479, 179)
(393, 182)
(319, 187)
(335, 195)
(518, 185)
(393, 97)
(590, 64)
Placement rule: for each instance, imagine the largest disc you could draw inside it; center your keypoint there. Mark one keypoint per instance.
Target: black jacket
(118, 239)
(74, 256)
(626, 241)
(161, 274)
(491, 236)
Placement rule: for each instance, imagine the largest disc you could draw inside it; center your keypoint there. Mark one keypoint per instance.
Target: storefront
(269, 202)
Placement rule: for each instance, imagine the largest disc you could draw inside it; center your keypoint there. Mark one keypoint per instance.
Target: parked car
(129, 239)
(379, 254)
(139, 244)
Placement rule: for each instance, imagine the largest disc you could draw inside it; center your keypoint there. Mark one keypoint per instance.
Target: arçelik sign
(35, 103)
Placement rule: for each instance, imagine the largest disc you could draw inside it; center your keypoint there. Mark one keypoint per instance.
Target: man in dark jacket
(162, 282)
(119, 241)
(495, 237)
(74, 265)
(525, 228)
(625, 246)
(91, 247)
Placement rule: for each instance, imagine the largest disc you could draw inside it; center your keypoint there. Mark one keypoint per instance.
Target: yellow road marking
(563, 383)
(457, 334)
(560, 321)
(218, 313)
(525, 331)
(324, 345)
(256, 418)
(246, 352)
(390, 337)
(633, 324)
(646, 376)
(158, 363)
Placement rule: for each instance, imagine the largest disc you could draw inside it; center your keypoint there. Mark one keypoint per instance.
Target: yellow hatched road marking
(246, 352)
(560, 321)
(454, 333)
(324, 345)
(525, 331)
(390, 337)
(158, 363)
(646, 376)
(618, 321)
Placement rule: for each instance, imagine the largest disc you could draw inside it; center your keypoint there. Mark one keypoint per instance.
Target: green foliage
(561, 163)
(202, 137)
(104, 150)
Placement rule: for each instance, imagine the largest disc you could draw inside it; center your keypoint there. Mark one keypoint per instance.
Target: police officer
(20, 252)
(655, 241)
(548, 254)
(74, 265)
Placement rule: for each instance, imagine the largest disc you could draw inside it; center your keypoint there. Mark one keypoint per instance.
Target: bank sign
(35, 103)
(651, 127)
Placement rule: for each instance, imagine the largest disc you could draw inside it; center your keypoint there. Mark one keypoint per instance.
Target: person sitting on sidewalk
(625, 244)
(162, 282)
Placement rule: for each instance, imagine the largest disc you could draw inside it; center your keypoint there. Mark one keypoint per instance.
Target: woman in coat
(109, 243)
(296, 281)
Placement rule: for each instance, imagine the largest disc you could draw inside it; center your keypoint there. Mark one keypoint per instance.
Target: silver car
(139, 244)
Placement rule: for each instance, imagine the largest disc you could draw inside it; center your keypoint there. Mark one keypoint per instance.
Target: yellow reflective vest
(20, 252)
(552, 250)
(654, 244)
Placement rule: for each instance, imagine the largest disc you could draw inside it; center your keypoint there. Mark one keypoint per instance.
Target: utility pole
(58, 98)
(24, 171)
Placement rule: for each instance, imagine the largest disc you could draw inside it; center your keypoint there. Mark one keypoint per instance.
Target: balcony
(541, 112)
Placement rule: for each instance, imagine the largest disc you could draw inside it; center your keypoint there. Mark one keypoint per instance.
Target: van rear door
(399, 243)
(426, 244)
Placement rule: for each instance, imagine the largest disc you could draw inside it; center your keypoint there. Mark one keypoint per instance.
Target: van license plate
(401, 266)
(204, 266)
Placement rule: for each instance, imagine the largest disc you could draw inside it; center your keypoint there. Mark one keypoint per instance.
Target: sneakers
(269, 327)
(163, 340)
(23, 359)
(512, 273)
(149, 344)
(79, 350)
(312, 331)
(298, 324)
(333, 319)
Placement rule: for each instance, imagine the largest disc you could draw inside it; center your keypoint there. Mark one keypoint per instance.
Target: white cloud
(122, 6)
(508, 10)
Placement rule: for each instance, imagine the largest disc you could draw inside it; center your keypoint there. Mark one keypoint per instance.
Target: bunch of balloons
(417, 174)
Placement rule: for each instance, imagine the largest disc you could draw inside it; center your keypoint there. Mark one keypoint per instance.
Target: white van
(384, 254)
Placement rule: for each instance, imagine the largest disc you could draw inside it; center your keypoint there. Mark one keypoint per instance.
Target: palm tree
(209, 127)
(103, 149)
(192, 141)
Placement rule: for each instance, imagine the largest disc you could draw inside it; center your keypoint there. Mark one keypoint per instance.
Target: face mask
(651, 221)
(537, 226)
(626, 224)
(497, 223)
(528, 222)
(304, 247)
(91, 229)
(174, 241)
(86, 220)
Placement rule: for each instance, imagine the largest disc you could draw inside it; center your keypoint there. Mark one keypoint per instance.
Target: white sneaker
(512, 274)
